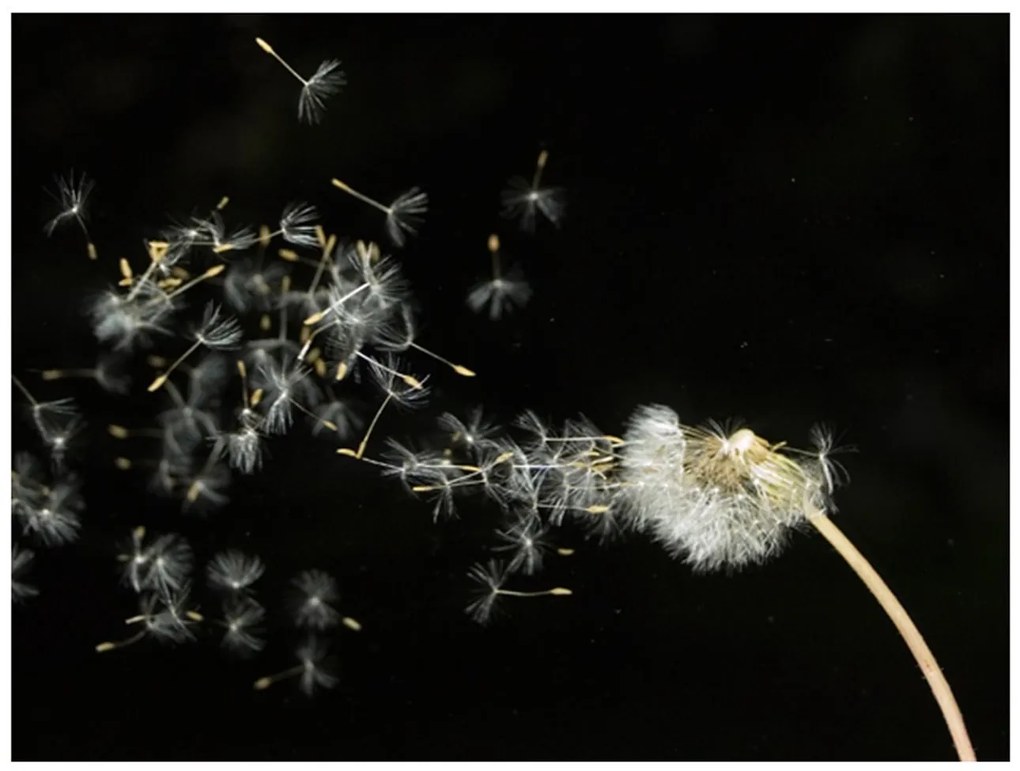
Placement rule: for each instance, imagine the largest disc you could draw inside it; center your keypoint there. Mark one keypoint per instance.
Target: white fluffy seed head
(721, 500)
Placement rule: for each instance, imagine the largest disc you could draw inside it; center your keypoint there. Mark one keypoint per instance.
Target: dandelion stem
(111, 646)
(371, 426)
(557, 591)
(269, 50)
(539, 167)
(57, 374)
(388, 210)
(494, 251)
(159, 381)
(907, 629)
(25, 391)
(264, 682)
(460, 369)
(326, 260)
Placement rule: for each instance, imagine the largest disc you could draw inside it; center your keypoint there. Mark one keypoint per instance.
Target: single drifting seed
(310, 670)
(72, 195)
(501, 293)
(326, 81)
(215, 333)
(490, 579)
(402, 216)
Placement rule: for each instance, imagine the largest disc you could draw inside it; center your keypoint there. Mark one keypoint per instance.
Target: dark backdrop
(783, 218)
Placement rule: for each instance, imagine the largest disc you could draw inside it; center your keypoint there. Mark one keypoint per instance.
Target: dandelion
(215, 333)
(72, 197)
(234, 571)
(327, 81)
(488, 587)
(312, 669)
(726, 498)
(403, 217)
(523, 200)
(502, 293)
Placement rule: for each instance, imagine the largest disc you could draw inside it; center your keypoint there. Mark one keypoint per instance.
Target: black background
(782, 218)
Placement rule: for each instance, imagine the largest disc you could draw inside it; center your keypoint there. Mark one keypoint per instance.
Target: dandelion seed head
(719, 498)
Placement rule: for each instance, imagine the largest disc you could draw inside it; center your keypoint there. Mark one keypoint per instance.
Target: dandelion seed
(312, 669)
(162, 566)
(527, 544)
(327, 81)
(403, 217)
(488, 580)
(403, 340)
(337, 416)
(108, 374)
(215, 333)
(72, 197)
(405, 390)
(476, 434)
(284, 389)
(48, 511)
(164, 617)
(523, 200)
(297, 225)
(242, 624)
(234, 571)
(244, 448)
(318, 592)
(208, 488)
(502, 293)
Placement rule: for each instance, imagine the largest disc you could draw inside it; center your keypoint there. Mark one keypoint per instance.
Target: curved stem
(907, 629)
